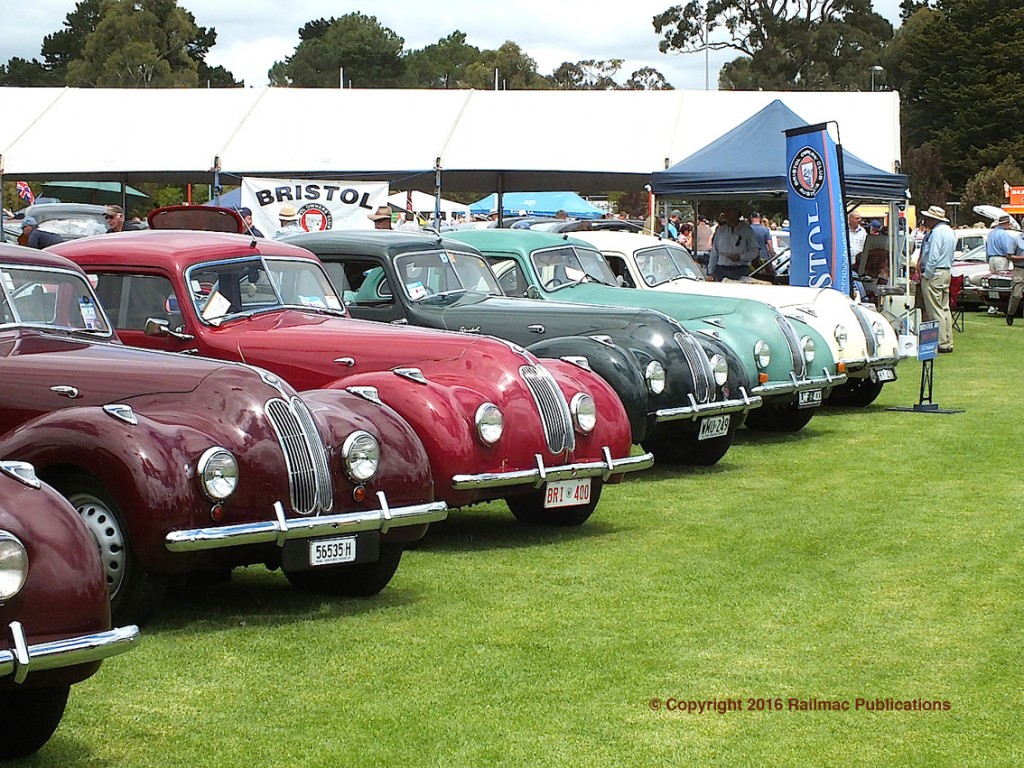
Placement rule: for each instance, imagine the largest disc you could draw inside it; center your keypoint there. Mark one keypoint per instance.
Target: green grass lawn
(875, 555)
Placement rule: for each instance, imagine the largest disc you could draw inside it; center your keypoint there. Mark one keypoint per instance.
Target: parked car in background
(789, 360)
(180, 465)
(590, 225)
(495, 421)
(685, 395)
(69, 220)
(54, 609)
(858, 335)
(975, 267)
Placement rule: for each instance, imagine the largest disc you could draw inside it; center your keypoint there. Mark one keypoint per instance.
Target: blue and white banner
(819, 254)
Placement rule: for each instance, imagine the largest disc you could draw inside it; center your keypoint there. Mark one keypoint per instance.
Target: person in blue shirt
(1017, 284)
(934, 267)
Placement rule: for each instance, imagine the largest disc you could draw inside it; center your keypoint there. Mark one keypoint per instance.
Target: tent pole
(3, 235)
(500, 198)
(437, 194)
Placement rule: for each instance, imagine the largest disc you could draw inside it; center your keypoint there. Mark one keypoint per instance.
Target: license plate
(714, 426)
(884, 374)
(809, 398)
(567, 493)
(332, 551)
(993, 294)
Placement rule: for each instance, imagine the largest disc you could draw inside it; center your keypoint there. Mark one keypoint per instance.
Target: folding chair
(956, 309)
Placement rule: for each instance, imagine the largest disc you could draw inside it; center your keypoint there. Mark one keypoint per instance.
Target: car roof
(33, 257)
(372, 242)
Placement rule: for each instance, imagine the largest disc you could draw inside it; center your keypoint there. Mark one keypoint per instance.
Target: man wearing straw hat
(934, 268)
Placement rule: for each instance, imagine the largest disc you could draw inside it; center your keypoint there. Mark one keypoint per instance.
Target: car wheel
(675, 447)
(788, 419)
(857, 393)
(135, 592)
(364, 580)
(30, 716)
(529, 508)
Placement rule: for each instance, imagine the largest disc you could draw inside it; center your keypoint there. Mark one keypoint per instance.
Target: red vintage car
(54, 609)
(497, 423)
(181, 465)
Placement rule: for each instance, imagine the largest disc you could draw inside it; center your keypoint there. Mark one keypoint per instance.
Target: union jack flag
(25, 192)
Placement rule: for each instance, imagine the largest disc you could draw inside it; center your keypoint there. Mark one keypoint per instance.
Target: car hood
(490, 312)
(102, 373)
(680, 306)
(374, 346)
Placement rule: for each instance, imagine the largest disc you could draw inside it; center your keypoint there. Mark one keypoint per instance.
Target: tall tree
(785, 44)
(986, 186)
(648, 79)
(958, 69)
(515, 70)
(589, 75)
(442, 64)
(369, 55)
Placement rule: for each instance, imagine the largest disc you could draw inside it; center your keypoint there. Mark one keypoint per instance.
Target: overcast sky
(254, 34)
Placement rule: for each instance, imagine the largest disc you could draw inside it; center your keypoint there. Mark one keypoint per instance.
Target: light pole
(875, 70)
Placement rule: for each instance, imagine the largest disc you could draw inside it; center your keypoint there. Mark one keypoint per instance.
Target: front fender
(617, 366)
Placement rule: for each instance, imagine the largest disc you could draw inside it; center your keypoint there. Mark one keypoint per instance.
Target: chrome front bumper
(537, 477)
(795, 384)
(697, 410)
(870, 363)
(57, 654)
(281, 529)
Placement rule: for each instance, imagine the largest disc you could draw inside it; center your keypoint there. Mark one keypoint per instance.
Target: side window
(618, 265)
(510, 275)
(130, 300)
(363, 280)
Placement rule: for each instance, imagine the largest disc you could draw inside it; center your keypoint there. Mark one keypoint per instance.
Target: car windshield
(570, 265)
(226, 289)
(664, 263)
(977, 254)
(432, 276)
(50, 298)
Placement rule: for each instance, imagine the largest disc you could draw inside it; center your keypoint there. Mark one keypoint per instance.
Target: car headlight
(489, 423)
(720, 368)
(584, 413)
(655, 376)
(840, 335)
(361, 454)
(762, 353)
(218, 473)
(13, 565)
(879, 331)
(807, 345)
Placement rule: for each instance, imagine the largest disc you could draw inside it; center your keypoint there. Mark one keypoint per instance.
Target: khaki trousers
(935, 292)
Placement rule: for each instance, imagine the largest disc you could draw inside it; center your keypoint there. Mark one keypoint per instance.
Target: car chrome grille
(700, 367)
(1000, 283)
(796, 354)
(309, 478)
(554, 411)
(871, 343)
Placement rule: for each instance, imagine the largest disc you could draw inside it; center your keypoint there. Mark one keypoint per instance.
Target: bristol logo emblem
(807, 173)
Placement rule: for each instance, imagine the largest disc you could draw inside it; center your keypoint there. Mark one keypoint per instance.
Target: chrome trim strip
(281, 529)
(69, 652)
(542, 474)
(773, 388)
(696, 411)
(872, 362)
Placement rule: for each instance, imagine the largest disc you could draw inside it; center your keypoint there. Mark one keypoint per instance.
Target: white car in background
(860, 337)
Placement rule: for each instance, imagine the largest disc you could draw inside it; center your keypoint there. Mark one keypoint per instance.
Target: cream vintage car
(860, 337)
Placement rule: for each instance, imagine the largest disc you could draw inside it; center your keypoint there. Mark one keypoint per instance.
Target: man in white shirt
(857, 236)
(733, 247)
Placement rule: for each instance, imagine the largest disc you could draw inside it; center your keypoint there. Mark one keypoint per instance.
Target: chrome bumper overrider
(537, 477)
(867, 363)
(281, 529)
(696, 410)
(800, 385)
(57, 654)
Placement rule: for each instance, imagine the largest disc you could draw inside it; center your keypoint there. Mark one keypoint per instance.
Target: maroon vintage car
(181, 465)
(496, 421)
(54, 609)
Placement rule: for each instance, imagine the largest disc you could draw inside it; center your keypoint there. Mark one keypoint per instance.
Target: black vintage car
(685, 395)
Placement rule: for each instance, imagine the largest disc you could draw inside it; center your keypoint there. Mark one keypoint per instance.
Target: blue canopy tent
(538, 204)
(750, 161)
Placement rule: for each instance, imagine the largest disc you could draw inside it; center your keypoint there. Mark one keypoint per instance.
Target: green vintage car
(790, 361)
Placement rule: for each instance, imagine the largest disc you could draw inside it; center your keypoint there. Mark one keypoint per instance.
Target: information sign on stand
(927, 351)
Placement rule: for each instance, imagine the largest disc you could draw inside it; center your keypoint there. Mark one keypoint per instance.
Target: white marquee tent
(480, 141)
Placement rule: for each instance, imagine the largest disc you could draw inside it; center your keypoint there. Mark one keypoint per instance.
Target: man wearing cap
(733, 247)
(36, 237)
(999, 247)
(246, 215)
(671, 231)
(934, 267)
(381, 218)
(115, 220)
(289, 219)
